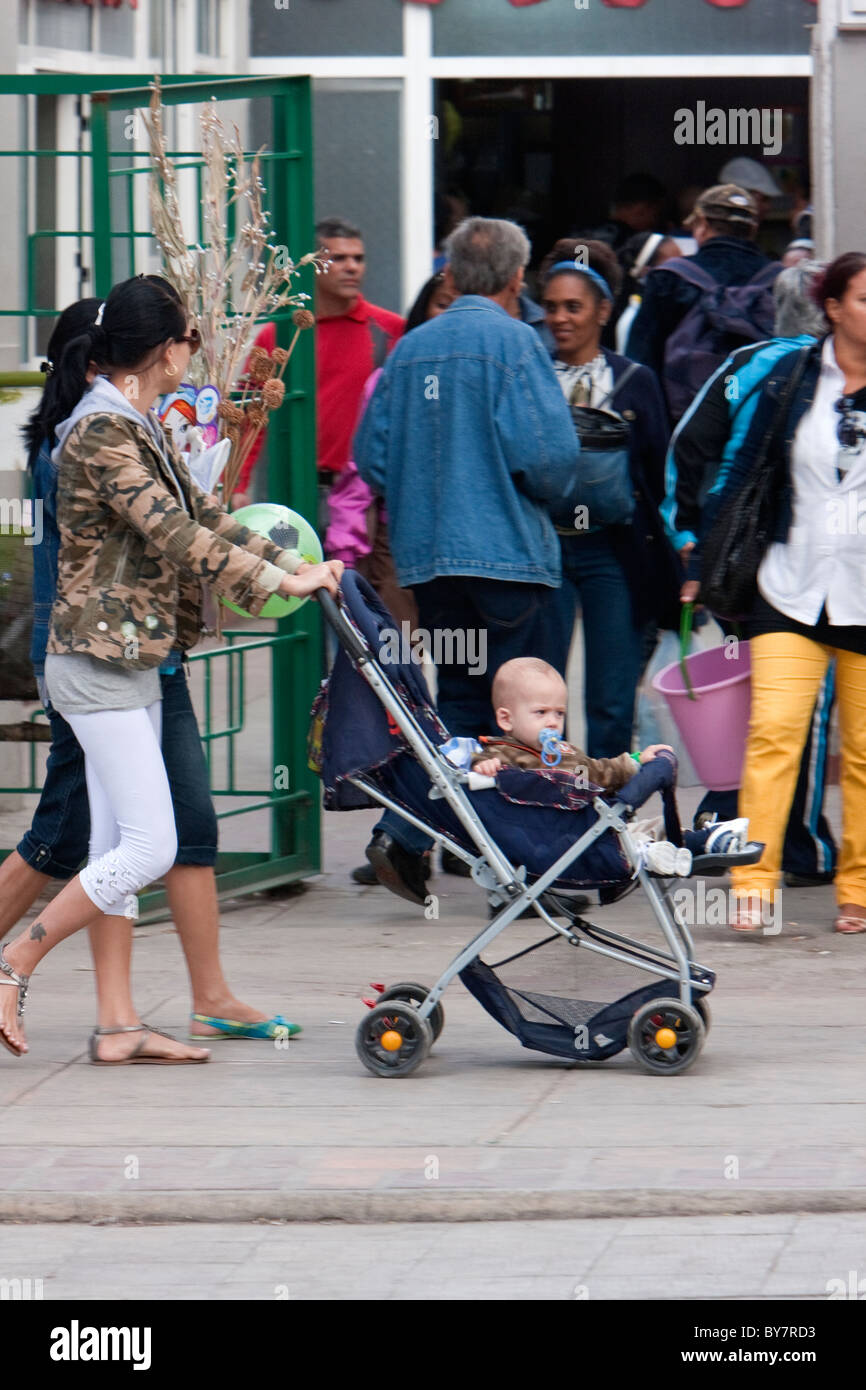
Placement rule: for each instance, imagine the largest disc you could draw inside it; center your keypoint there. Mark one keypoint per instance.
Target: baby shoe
(662, 857)
(727, 837)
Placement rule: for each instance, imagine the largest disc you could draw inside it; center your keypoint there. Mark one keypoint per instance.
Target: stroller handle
(347, 637)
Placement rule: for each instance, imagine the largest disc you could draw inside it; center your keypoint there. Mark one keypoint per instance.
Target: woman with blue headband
(624, 578)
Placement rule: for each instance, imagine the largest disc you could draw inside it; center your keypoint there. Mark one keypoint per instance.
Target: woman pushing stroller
(138, 541)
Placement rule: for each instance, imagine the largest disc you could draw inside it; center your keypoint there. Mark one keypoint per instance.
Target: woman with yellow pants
(811, 599)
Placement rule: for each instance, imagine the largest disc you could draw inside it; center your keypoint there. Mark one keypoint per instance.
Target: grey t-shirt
(81, 684)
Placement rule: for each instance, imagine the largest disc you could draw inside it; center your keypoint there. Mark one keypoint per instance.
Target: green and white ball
(288, 530)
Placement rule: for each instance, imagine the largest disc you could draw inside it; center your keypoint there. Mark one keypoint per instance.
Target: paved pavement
(756, 1257)
(771, 1119)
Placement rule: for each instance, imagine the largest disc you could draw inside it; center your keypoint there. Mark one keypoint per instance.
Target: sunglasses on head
(849, 431)
(193, 337)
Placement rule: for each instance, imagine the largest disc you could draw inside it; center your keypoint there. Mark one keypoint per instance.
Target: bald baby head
(529, 695)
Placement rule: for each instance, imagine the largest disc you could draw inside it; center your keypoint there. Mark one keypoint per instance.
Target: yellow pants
(787, 671)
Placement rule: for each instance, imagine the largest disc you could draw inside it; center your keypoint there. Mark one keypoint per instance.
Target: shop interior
(550, 153)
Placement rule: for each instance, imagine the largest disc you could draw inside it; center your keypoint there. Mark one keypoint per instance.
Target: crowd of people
(452, 462)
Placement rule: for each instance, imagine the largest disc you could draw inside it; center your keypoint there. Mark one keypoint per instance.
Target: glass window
(117, 31)
(660, 27)
(63, 26)
(208, 27)
(156, 29)
(360, 178)
(330, 28)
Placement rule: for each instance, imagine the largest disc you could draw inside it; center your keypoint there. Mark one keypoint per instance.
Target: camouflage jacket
(136, 545)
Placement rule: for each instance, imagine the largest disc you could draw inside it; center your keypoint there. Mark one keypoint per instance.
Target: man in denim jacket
(470, 440)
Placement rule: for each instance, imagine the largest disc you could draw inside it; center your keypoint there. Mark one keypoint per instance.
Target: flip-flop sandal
(849, 926)
(747, 919)
(267, 1028)
(137, 1056)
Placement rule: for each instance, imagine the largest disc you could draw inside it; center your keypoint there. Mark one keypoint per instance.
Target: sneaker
(662, 857)
(728, 837)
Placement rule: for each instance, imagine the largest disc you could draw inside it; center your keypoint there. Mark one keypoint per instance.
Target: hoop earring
(173, 372)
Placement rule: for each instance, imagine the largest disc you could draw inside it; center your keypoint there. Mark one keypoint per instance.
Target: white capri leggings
(132, 833)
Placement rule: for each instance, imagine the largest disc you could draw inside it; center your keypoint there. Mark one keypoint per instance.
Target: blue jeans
(512, 618)
(593, 578)
(57, 841)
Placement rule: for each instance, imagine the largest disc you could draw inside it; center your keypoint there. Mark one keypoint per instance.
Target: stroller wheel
(666, 1036)
(416, 994)
(703, 1009)
(392, 1040)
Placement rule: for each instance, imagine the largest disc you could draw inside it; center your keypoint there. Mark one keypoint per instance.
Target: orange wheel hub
(665, 1037)
(391, 1040)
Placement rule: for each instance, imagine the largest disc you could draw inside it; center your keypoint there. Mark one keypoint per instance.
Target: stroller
(529, 838)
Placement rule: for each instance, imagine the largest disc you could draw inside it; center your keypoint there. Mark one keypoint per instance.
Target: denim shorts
(57, 841)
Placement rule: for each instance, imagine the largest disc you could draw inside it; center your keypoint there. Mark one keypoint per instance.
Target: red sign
(518, 4)
(107, 4)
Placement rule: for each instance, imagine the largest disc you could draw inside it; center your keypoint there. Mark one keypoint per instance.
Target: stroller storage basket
(527, 995)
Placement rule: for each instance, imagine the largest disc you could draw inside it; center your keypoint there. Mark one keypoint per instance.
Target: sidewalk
(772, 1117)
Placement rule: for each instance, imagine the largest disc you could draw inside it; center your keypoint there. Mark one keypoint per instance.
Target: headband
(570, 266)
(647, 251)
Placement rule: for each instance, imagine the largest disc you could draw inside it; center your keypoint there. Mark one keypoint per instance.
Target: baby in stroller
(529, 701)
(530, 835)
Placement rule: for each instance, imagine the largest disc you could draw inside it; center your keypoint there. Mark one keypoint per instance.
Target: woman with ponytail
(137, 542)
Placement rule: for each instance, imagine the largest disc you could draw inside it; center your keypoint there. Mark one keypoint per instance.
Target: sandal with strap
(849, 925)
(138, 1056)
(22, 984)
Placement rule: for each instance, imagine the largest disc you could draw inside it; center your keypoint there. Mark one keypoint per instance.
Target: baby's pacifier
(551, 747)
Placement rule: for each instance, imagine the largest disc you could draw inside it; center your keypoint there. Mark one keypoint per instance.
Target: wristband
(636, 757)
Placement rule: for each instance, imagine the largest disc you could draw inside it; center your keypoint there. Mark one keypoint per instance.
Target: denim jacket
(469, 438)
(44, 493)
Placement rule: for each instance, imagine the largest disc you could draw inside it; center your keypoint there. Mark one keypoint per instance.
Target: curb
(167, 1208)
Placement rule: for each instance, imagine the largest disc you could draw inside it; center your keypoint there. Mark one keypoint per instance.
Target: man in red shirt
(353, 337)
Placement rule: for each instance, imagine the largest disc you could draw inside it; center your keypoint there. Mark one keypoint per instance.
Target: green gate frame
(294, 851)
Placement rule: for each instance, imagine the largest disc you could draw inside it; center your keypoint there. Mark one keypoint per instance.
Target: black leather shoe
(366, 875)
(577, 903)
(404, 873)
(452, 865)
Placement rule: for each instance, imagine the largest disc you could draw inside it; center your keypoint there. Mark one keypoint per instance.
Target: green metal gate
(287, 795)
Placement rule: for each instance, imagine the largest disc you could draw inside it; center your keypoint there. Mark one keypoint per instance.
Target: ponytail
(139, 316)
(63, 387)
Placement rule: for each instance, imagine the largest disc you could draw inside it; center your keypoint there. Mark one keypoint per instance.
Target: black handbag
(738, 541)
(603, 483)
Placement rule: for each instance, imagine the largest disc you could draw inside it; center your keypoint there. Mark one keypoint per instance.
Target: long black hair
(140, 315)
(55, 405)
(418, 313)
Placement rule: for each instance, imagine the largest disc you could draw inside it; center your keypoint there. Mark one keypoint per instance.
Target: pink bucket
(715, 725)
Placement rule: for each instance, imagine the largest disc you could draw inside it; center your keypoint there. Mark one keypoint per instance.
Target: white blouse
(823, 561)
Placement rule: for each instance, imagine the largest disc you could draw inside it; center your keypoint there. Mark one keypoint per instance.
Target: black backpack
(723, 318)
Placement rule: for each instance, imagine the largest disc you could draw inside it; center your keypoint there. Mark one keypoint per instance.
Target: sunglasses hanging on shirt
(850, 432)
